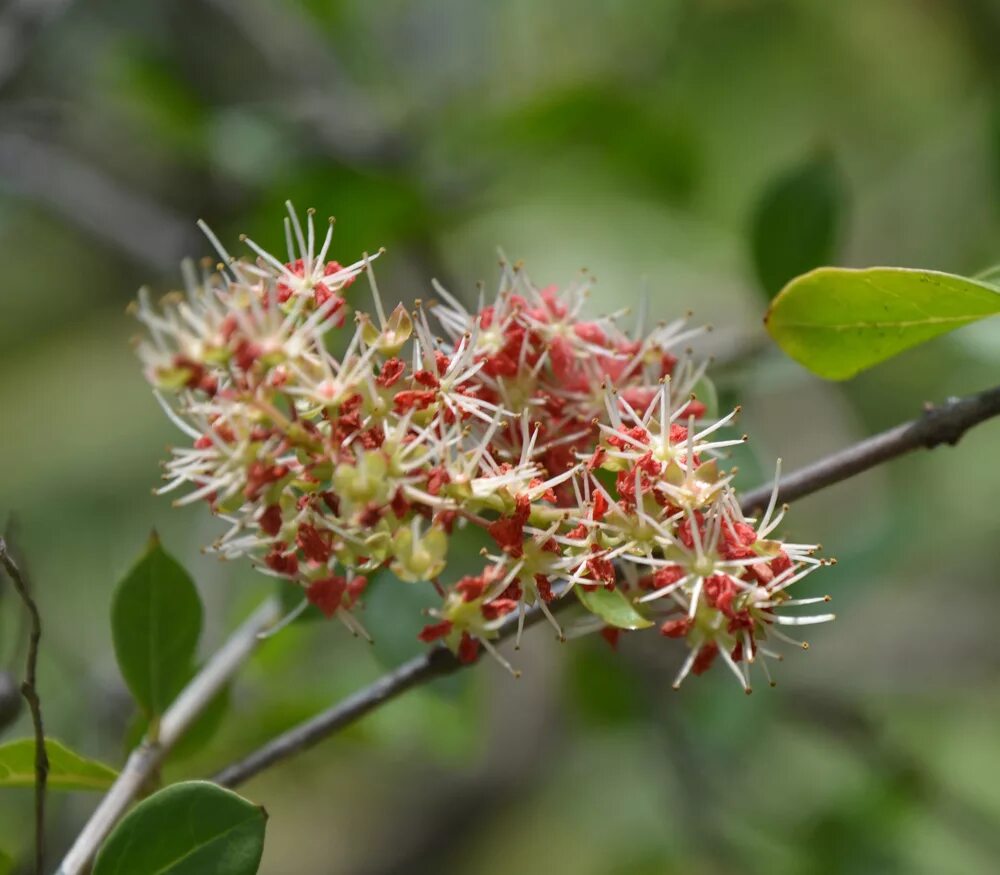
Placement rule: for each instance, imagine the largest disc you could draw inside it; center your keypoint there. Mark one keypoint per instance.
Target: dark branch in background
(942, 424)
(322, 94)
(938, 425)
(146, 232)
(11, 700)
(324, 99)
(21, 24)
(29, 690)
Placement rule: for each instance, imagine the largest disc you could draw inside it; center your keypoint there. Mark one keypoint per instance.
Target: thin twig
(176, 720)
(944, 424)
(437, 662)
(29, 689)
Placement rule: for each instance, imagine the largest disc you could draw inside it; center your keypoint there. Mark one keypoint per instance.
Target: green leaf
(796, 222)
(6, 863)
(612, 607)
(67, 770)
(186, 829)
(156, 621)
(837, 321)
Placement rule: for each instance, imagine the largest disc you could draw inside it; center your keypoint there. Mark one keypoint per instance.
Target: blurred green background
(638, 139)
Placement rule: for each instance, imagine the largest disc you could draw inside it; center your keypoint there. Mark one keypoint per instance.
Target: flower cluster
(584, 451)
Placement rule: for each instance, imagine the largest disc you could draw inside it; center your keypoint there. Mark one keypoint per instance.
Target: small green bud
(419, 556)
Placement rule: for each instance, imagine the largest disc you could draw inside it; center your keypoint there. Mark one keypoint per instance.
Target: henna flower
(585, 452)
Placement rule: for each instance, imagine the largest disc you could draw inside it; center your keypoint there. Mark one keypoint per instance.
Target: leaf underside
(613, 607)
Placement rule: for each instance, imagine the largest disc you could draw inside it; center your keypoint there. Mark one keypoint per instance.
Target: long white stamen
(784, 620)
(685, 669)
(774, 497)
(734, 668)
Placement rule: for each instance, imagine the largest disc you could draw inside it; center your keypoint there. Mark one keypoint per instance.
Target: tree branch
(87, 197)
(147, 757)
(29, 690)
(323, 95)
(437, 662)
(21, 24)
(944, 424)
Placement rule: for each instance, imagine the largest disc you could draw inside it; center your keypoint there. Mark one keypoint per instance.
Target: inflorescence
(583, 451)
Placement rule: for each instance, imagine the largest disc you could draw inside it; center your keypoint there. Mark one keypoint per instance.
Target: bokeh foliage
(638, 139)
